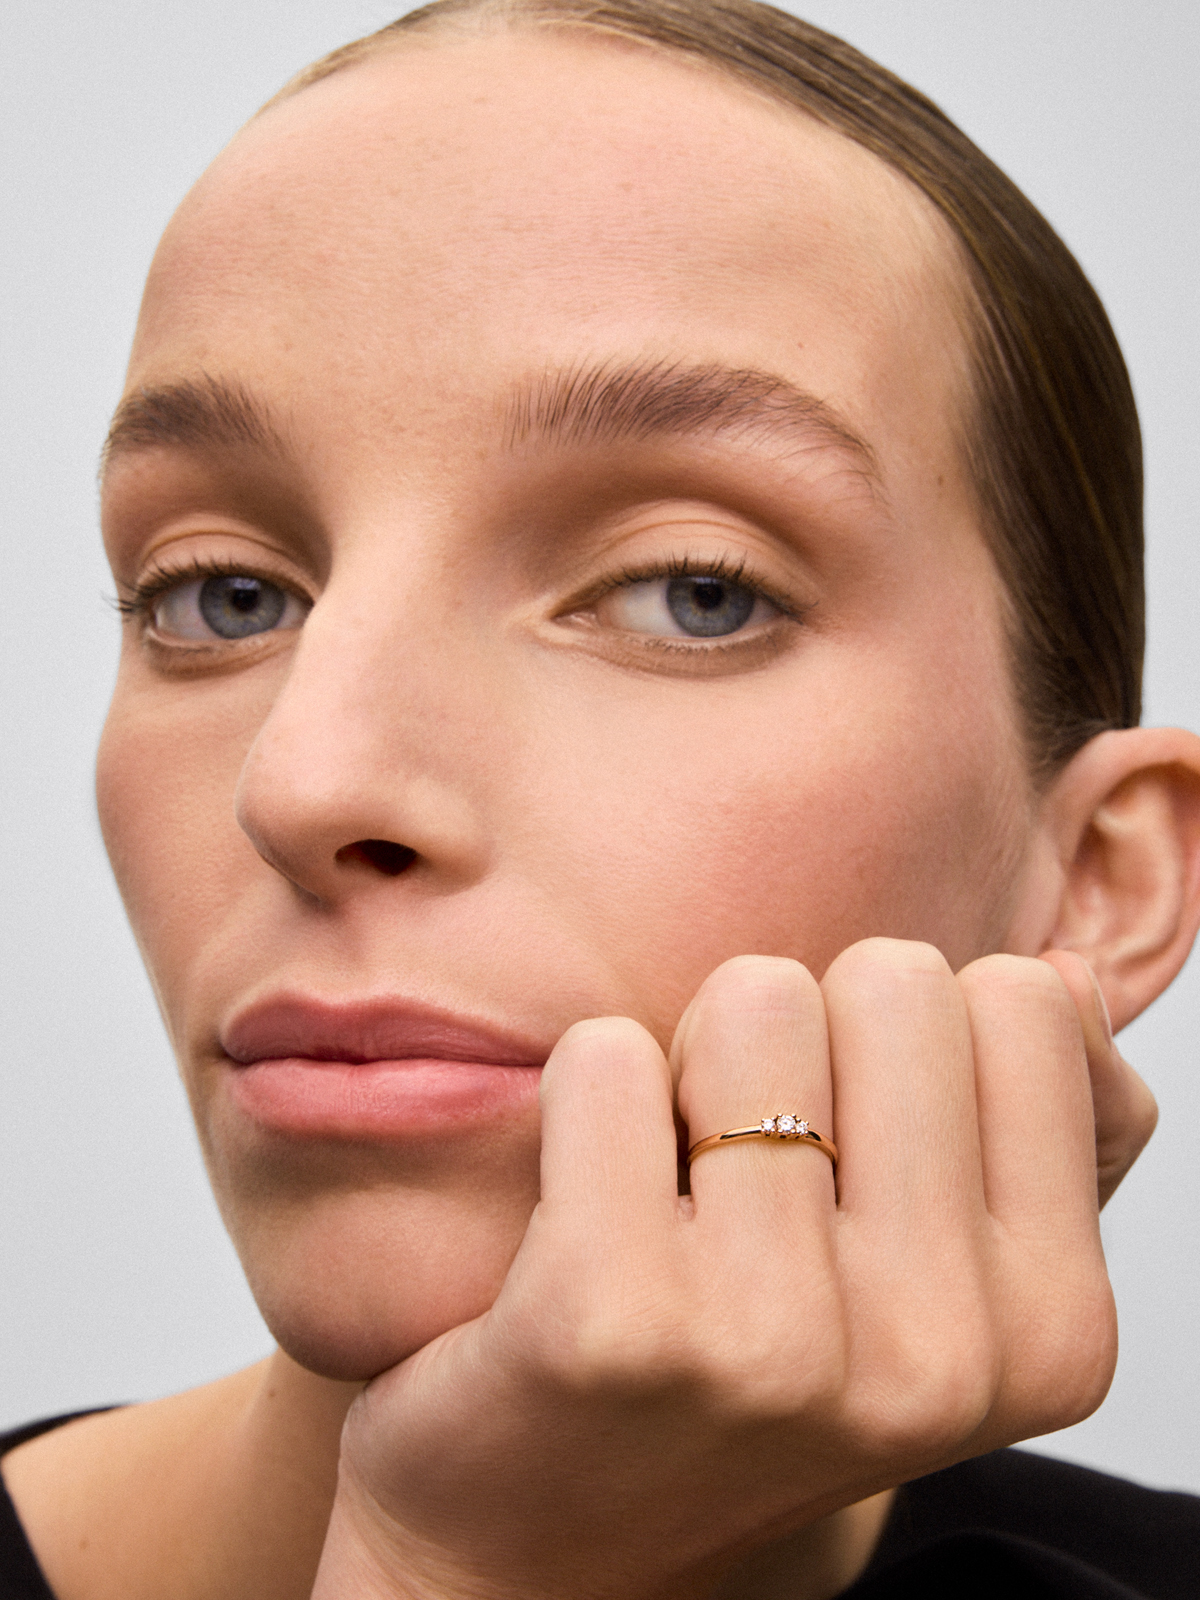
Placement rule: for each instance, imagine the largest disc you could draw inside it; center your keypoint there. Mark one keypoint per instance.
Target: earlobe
(1123, 820)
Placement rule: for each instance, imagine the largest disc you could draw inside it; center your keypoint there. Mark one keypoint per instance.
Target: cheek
(790, 824)
(164, 791)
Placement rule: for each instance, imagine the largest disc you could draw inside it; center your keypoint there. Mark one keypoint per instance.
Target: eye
(687, 605)
(229, 605)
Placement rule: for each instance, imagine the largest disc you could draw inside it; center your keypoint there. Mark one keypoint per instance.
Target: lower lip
(376, 1100)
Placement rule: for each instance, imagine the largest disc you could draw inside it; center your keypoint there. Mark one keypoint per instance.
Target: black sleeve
(20, 1576)
(1013, 1524)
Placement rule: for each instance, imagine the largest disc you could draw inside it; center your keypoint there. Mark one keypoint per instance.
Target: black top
(1015, 1524)
(1008, 1526)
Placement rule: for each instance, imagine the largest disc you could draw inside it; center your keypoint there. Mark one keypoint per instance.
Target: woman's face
(553, 573)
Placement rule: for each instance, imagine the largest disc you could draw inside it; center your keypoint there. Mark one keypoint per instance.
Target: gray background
(116, 1279)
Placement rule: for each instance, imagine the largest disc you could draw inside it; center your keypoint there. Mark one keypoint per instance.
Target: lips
(374, 1069)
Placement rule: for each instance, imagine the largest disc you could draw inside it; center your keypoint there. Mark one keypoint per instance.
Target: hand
(665, 1382)
(1125, 1111)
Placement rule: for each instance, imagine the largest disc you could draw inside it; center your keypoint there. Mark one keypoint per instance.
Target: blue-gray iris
(235, 607)
(709, 606)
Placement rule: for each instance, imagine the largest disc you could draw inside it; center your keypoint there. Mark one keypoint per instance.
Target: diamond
(802, 1128)
(768, 1124)
(787, 1124)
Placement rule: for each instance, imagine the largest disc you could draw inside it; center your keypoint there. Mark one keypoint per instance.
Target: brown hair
(1054, 448)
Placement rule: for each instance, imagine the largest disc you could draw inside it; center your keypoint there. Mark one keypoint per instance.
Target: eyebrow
(608, 404)
(198, 413)
(604, 404)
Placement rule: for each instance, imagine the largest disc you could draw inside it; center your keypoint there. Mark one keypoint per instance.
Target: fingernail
(1103, 1004)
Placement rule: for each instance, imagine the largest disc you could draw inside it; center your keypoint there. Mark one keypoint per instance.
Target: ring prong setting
(786, 1126)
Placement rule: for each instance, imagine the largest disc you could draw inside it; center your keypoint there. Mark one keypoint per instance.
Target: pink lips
(374, 1070)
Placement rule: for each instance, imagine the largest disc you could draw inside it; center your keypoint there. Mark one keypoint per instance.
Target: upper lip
(369, 1030)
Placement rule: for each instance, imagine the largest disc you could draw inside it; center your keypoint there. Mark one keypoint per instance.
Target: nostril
(381, 854)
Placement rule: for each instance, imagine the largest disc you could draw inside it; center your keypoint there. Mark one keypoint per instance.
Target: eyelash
(717, 567)
(139, 605)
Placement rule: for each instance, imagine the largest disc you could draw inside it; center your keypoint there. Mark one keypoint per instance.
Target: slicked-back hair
(1053, 446)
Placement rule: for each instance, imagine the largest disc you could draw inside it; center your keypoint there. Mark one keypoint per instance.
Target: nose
(367, 766)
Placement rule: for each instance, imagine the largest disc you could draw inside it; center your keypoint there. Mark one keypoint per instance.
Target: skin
(602, 825)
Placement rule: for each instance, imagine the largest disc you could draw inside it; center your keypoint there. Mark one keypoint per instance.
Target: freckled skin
(597, 824)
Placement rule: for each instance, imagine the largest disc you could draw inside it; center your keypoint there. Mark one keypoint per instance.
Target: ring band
(787, 1126)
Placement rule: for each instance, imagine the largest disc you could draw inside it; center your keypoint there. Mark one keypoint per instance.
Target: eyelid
(719, 567)
(138, 603)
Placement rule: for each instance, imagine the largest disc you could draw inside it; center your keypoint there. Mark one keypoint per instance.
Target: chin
(350, 1284)
(332, 1345)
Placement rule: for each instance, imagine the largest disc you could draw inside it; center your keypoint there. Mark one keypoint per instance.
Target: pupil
(235, 607)
(709, 607)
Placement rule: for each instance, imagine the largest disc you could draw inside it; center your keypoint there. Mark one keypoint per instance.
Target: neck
(240, 1476)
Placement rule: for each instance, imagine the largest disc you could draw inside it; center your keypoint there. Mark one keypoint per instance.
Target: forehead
(431, 220)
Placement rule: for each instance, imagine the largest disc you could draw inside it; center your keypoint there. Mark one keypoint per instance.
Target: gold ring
(787, 1126)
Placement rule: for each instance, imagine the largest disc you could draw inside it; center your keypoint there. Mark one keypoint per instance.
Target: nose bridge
(376, 736)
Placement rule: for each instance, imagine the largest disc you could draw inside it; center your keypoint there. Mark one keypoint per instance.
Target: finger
(904, 1094)
(752, 1044)
(1051, 1288)
(608, 1129)
(1125, 1110)
(913, 1231)
(1035, 1104)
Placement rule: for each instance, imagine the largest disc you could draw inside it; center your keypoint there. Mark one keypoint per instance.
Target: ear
(1114, 872)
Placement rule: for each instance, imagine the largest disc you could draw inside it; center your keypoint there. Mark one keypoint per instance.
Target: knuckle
(778, 1376)
(615, 1357)
(731, 1374)
(599, 1053)
(743, 991)
(1143, 1110)
(1009, 978)
(1072, 1360)
(880, 960)
(761, 982)
(930, 1393)
(603, 1037)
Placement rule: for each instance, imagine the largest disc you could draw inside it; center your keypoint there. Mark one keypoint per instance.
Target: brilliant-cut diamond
(787, 1124)
(768, 1124)
(802, 1128)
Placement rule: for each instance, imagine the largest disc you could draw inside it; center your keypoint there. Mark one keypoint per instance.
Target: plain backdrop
(116, 1280)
